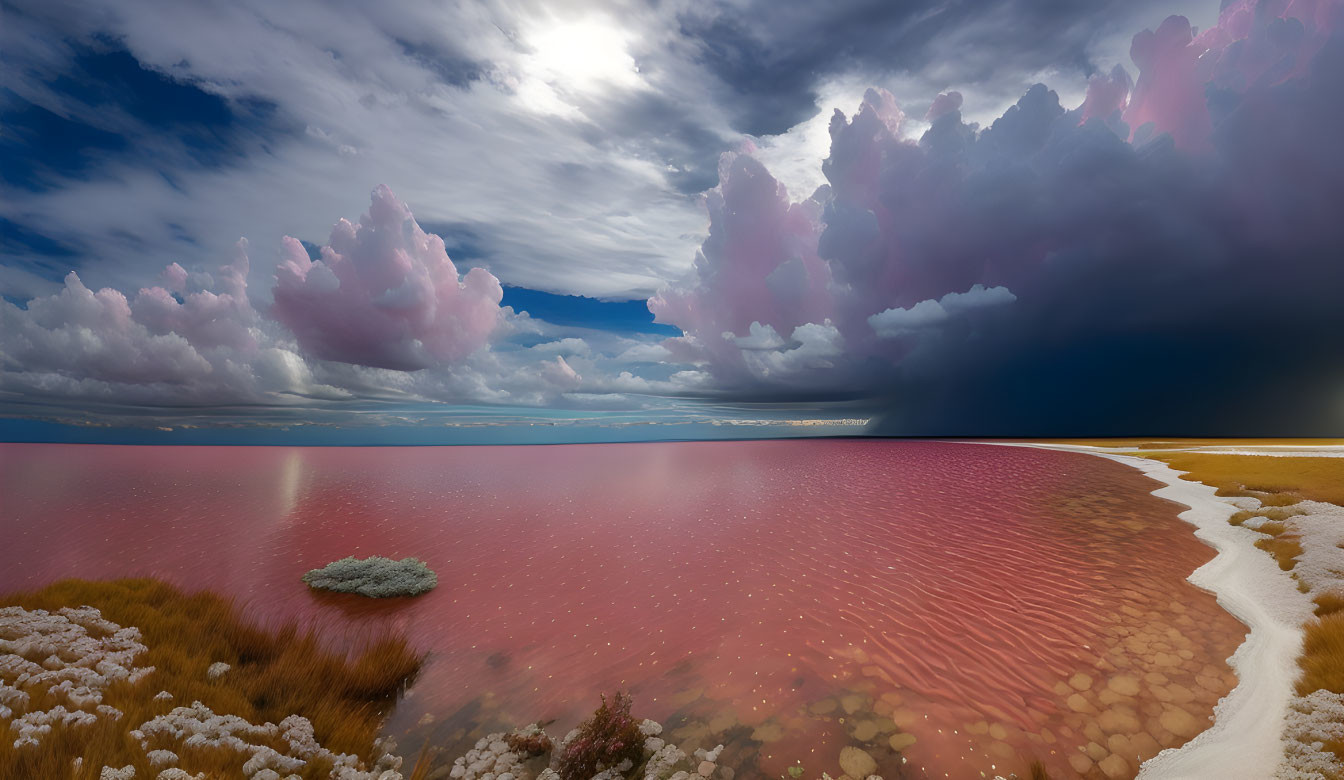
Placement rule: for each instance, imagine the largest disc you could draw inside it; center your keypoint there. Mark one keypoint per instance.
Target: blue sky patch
(582, 312)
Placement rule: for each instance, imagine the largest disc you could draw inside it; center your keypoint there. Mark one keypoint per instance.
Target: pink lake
(786, 598)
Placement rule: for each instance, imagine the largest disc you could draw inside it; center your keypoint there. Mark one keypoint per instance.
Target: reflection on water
(971, 606)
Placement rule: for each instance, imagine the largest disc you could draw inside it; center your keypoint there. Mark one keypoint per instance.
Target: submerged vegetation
(375, 577)
(328, 706)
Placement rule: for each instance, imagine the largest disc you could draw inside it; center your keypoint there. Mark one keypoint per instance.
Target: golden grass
(1167, 444)
(1276, 513)
(1284, 548)
(1323, 656)
(1329, 603)
(274, 674)
(1293, 479)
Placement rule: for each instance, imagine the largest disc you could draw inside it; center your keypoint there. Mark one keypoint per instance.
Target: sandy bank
(1245, 739)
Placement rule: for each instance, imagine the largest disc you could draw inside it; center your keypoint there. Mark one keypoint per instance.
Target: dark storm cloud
(771, 57)
(1048, 276)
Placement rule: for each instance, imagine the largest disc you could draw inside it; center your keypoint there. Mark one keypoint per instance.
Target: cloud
(927, 313)
(96, 334)
(261, 120)
(813, 348)
(384, 294)
(566, 347)
(1015, 278)
(559, 373)
(758, 337)
(645, 353)
(203, 317)
(382, 317)
(978, 254)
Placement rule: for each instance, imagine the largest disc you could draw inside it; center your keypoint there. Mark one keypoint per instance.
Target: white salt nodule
(75, 666)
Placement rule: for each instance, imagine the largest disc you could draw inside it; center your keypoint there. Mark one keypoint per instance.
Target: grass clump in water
(375, 577)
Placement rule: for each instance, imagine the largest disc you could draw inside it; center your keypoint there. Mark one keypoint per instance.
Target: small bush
(606, 739)
(375, 577)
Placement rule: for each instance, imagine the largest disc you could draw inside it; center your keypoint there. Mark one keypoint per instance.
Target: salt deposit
(198, 726)
(75, 655)
(492, 759)
(80, 654)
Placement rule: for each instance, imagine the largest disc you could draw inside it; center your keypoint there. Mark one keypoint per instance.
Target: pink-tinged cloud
(1169, 92)
(175, 278)
(945, 103)
(1254, 44)
(1107, 95)
(78, 334)
(384, 294)
(204, 318)
(560, 373)
(758, 266)
(192, 345)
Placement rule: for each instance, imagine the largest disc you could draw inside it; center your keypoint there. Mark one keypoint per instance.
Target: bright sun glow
(583, 55)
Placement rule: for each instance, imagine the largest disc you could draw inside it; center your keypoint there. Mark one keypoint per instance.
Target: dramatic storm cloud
(1165, 258)
(1008, 217)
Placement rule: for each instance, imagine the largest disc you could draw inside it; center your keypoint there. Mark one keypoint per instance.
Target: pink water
(786, 597)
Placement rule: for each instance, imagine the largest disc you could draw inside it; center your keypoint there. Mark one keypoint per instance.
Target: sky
(421, 222)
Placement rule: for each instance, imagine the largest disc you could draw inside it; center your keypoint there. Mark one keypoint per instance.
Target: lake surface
(787, 598)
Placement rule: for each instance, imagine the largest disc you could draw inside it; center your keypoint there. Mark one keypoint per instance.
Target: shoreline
(1246, 736)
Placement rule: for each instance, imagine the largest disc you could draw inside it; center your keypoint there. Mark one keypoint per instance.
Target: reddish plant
(606, 739)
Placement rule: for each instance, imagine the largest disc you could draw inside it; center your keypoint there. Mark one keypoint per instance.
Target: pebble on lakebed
(375, 577)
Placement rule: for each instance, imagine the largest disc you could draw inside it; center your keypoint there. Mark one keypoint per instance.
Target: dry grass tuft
(274, 674)
(1322, 658)
(1275, 513)
(1284, 548)
(1329, 603)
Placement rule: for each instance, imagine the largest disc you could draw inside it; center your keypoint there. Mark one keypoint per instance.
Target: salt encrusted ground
(493, 759)
(1261, 728)
(74, 655)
